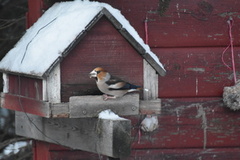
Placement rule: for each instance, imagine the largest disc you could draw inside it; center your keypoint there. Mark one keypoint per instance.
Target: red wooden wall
(25, 86)
(189, 38)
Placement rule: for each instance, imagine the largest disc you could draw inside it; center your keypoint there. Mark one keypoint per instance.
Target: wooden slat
(101, 136)
(91, 106)
(25, 104)
(195, 72)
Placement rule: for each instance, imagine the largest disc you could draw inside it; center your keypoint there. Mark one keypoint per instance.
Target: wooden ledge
(91, 106)
(81, 106)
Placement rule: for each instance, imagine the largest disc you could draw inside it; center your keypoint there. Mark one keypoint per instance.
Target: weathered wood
(150, 106)
(91, 106)
(60, 110)
(53, 86)
(150, 83)
(102, 136)
(5, 83)
(25, 104)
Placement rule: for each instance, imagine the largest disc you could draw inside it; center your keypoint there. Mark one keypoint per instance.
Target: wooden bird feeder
(46, 78)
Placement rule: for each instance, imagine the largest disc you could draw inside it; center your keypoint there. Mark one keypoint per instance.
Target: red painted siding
(103, 46)
(25, 86)
(195, 72)
(184, 23)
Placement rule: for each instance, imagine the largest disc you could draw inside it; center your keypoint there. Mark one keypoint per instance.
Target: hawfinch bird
(112, 87)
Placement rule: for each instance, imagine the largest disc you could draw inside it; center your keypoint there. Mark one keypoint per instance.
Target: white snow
(108, 114)
(59, 26)
(15, 147)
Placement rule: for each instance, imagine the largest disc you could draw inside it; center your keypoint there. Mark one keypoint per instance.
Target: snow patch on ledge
(108, 114)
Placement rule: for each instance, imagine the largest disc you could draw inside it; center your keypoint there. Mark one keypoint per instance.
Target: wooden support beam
(81, 106)
(103, 136)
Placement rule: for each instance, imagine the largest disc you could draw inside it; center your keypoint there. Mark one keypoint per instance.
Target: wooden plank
(25, 104)
(60, 110)
(5, 83)
(91, 106)
(150, 83)
(195, 72)
(102, 136)
(191, 123)
(53, 85)
(150, 106)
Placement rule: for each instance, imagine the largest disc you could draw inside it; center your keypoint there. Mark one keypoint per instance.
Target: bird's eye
(98, 72)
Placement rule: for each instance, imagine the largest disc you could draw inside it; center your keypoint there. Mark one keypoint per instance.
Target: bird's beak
(92, 74)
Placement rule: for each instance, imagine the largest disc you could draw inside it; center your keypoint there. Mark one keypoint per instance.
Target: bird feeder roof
(56, 32)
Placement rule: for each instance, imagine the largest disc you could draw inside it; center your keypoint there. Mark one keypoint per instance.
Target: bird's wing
(115, 83)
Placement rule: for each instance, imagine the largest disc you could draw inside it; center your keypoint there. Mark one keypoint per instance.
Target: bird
(112, 87)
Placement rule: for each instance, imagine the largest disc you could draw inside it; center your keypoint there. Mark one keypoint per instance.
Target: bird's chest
(102, 86)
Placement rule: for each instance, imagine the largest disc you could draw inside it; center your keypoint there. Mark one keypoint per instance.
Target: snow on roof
(46, 41)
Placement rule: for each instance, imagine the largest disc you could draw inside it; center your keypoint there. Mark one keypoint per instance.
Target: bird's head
(98, 73)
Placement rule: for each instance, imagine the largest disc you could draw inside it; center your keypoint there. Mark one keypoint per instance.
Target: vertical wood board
(150, 86)
(53, 86)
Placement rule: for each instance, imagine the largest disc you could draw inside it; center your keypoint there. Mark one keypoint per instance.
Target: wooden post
(150, 83)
